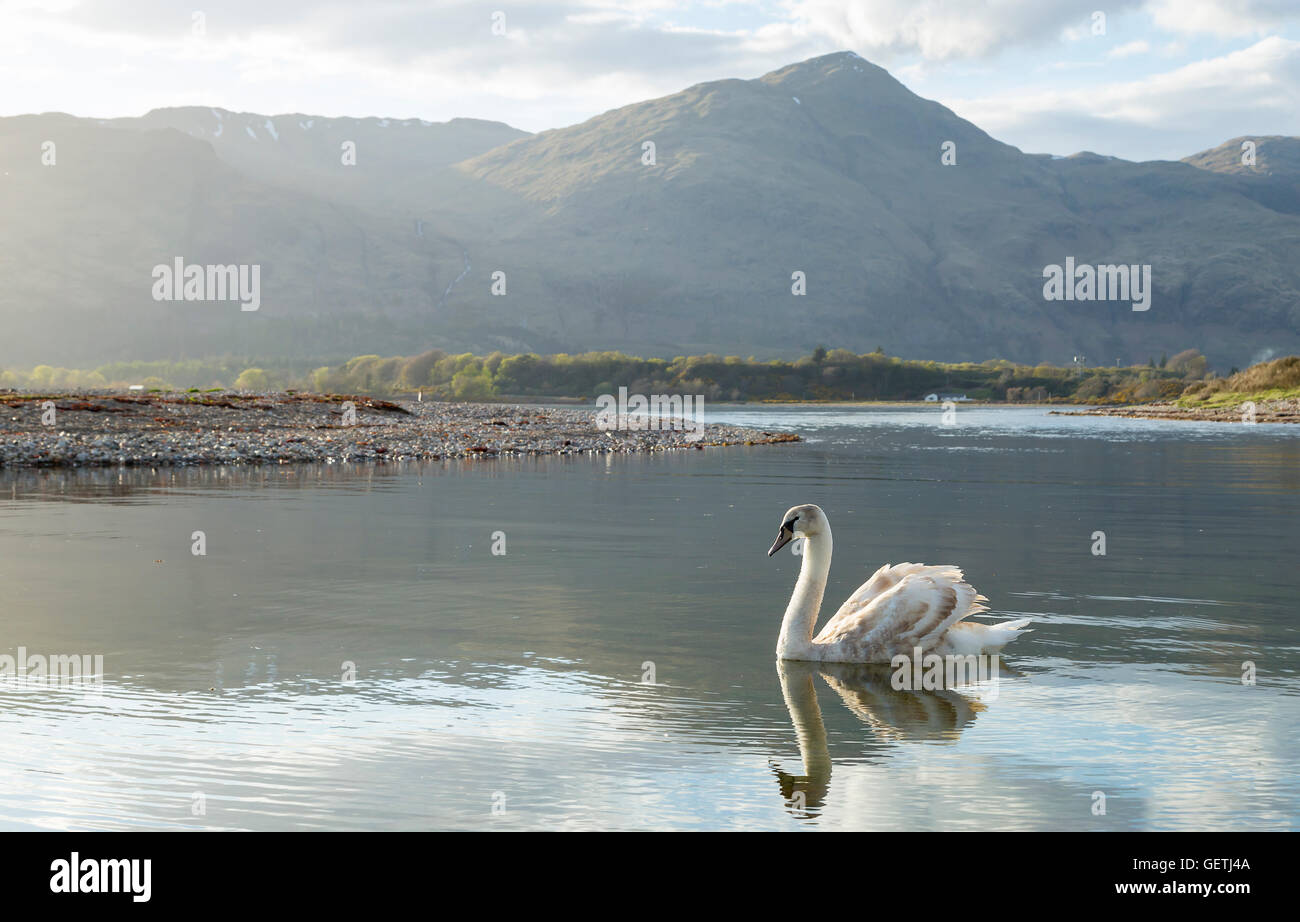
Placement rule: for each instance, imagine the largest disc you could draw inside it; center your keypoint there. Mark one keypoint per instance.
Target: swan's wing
(884, 579)
(915, 612)
(858, 607)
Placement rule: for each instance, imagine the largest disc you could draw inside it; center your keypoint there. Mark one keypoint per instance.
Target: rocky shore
(1266, 411)
(68, 430)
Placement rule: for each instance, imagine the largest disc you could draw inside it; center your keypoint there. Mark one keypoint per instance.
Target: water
(510, 691)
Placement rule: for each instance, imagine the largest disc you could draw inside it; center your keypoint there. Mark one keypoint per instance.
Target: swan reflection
(894, 715)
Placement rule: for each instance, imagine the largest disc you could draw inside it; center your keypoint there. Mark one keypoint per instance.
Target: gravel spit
(98, 429)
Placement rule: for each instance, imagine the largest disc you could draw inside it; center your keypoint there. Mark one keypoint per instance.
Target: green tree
(416, 370)
(253, 379)
(1189, 363)
(471, 385)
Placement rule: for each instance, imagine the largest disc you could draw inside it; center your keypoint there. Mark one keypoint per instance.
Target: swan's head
(799, 522)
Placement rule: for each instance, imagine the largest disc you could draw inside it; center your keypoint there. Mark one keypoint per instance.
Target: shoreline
(1266, 411)
(184, 429)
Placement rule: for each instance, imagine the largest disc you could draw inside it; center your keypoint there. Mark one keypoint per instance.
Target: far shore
(1265, 411)
(792, 402)
(179, 428)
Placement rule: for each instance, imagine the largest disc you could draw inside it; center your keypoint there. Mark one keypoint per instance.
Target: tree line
(830, 375)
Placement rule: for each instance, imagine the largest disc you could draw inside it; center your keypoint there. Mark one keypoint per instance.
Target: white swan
(902, 607)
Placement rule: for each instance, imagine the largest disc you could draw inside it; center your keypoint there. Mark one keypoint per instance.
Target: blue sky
(1165, 79)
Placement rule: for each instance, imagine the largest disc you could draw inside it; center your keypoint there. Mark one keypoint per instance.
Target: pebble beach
(95, 430)
(1266, 411)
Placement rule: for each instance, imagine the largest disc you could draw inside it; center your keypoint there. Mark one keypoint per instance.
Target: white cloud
(944, 29)
(565, 60)
(1225, 18)
(1128, 49)
(559, 62)
(1166, 116)
(951, 29)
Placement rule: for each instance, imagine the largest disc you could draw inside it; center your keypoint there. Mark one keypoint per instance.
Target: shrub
(251, 379)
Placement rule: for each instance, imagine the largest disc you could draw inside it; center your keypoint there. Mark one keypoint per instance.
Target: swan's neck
(795, 641)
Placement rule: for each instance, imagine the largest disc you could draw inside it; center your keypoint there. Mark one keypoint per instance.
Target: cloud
(1224, 18)
(1165, 116)
(559, 61)
(943, 29)
(1129, 49)
(562, 61)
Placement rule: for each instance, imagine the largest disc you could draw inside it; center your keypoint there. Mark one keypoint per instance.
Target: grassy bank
(1267, 381)
(1265, 393)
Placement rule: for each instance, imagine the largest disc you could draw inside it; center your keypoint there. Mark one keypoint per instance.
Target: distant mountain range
(830, 168)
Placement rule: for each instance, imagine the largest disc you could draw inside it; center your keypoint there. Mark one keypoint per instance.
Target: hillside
(830, 167)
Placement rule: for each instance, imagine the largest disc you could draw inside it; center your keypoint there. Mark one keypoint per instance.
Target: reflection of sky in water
(522, 674)
(982, 421)
(576, 751)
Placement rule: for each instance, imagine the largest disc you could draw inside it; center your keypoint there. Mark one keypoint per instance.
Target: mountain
(397, 160)
(1274, 156)
(1273, 179)
(832, 167)
(829, 167)
(345, 260)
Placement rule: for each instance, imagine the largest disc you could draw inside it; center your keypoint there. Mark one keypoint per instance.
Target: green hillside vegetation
(825, 375)
(1275, 380)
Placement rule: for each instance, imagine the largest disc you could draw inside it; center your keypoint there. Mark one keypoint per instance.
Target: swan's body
(902, 607)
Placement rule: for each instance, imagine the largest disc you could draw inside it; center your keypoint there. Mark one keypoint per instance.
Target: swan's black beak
(783, 537)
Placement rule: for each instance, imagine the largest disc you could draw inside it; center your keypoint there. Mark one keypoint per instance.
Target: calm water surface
(513, 691)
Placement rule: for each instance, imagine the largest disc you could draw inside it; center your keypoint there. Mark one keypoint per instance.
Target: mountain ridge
(830, 167)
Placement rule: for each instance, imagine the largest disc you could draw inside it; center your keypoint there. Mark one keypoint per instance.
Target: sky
(1139, 79)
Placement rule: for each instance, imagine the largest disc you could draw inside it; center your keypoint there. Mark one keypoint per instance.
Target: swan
(902, 607)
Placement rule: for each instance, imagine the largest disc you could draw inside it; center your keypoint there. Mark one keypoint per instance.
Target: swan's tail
(974, 637)
(998, 636)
